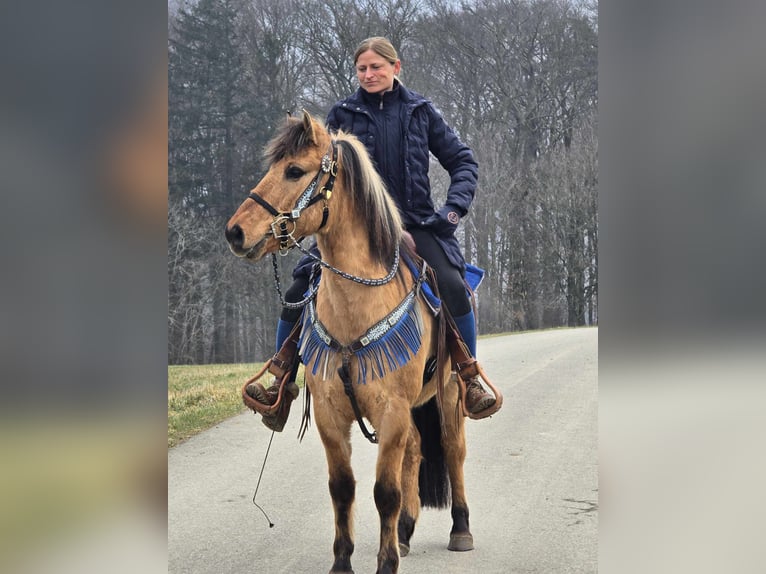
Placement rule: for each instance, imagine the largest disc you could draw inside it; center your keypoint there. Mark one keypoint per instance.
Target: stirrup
(280, 365)
(469, 370)
(263, 408)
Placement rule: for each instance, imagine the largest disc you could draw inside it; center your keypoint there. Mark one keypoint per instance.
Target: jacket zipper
(384, 134)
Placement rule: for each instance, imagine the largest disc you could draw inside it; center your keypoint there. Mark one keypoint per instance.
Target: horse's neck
(348, 308)
(350, 251)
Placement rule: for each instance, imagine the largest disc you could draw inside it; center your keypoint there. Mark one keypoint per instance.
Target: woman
(400, 128)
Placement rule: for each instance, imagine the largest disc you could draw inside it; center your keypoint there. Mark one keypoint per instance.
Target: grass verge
(200, 396)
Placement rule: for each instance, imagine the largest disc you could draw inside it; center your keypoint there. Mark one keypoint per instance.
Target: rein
(361, 280)
(313, 289)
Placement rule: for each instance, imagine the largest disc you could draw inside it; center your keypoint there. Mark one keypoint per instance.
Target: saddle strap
(348, 387)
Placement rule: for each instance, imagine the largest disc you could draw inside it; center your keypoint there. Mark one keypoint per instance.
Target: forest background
(516, 79)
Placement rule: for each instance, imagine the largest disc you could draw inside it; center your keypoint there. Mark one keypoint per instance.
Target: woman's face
(375, 73)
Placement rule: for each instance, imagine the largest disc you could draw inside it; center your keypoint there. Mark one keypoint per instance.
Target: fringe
(314, 345)
(394, 349)
(387, 346)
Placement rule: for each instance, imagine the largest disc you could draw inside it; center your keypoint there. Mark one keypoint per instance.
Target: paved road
(531, 475)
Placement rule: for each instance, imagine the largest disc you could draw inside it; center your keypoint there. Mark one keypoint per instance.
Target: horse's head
(290, 201)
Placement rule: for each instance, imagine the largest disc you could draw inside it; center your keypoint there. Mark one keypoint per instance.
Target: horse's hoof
(403, 549)
(460, 542)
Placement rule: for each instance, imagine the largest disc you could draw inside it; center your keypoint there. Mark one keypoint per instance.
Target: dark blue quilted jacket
(417, 129)
(411, 128)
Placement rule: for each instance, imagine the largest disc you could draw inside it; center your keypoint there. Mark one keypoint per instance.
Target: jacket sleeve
(457, 158)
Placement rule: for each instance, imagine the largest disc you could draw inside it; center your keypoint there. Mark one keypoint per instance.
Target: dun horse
(377, 332)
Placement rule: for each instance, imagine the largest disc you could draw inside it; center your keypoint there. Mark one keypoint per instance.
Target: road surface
(531, 481)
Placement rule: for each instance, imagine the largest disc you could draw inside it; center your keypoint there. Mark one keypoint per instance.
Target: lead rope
(271, 524)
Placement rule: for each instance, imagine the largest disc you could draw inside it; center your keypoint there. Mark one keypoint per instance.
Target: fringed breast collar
(387, 345)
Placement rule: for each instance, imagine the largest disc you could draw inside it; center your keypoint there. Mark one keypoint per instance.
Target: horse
(325, 185)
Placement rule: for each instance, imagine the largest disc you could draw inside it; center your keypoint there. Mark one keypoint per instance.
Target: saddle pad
(473, 278)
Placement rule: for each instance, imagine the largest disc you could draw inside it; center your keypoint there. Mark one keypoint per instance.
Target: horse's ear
(308, 127)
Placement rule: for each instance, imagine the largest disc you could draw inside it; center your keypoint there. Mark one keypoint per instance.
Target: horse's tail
(433, 480)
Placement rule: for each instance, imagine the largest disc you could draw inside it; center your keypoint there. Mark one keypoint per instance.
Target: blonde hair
(381, 46)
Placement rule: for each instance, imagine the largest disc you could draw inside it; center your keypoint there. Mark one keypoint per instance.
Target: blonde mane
(372, 202)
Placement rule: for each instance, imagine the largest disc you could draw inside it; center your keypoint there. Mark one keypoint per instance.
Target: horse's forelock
(372, 202)
(290, 140)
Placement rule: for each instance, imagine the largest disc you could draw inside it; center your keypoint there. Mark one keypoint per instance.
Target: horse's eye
(294, 172)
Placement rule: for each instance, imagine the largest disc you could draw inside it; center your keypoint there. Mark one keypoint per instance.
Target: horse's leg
(337, 446)
(410, 499)
(454, 452)
(393, 434)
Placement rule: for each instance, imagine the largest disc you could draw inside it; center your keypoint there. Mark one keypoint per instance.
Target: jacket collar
(387, 97)
(410, 98)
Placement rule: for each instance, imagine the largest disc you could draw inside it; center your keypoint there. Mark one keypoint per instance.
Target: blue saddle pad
(473, 277)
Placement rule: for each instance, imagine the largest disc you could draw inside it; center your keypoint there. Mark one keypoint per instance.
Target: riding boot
(269, 396)
(476, 398)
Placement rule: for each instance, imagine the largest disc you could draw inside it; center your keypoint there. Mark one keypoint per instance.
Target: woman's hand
(444, 222)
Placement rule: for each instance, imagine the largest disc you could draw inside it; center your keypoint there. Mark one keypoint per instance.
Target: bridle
(279, 225)
(279, 230)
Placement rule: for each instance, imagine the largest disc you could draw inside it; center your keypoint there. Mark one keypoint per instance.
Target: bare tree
(517, 79)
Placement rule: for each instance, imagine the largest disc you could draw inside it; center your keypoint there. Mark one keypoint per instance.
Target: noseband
(281, 218)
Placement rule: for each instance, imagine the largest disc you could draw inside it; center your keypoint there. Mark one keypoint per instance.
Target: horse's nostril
(235, 236)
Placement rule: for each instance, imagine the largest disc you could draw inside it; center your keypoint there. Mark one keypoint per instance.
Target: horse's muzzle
(236, 238)
(235, 235)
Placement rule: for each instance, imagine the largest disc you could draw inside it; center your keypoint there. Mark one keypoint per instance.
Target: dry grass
(200, 396)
